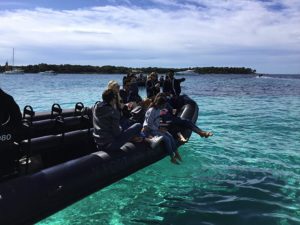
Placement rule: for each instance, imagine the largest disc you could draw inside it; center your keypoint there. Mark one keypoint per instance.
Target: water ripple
(247, 173)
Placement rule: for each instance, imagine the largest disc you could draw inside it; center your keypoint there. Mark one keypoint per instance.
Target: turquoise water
(247, 173)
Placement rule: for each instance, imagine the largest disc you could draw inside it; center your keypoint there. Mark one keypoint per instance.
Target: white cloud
(197, 33)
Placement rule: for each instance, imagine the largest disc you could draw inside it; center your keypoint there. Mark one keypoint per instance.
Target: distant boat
(186, 72)
(48, 72)
(13, 70)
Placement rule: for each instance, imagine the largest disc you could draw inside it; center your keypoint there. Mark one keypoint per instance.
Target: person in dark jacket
(152, 87)
(171, 85)
(9, 110)
(10, 115)
(168, 117)
(161, 80)
(106, 121)
(10, 132)
(134, 88)
(129, 93)
(125, 93)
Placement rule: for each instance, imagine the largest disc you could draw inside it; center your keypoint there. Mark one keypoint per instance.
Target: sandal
(206, 134)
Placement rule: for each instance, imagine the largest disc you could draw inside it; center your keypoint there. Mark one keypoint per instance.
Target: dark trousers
(185, 123)
(124, 137)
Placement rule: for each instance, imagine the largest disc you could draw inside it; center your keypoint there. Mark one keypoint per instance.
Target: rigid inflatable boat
(56, 163)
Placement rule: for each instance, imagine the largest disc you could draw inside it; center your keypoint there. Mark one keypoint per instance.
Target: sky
(260, 34)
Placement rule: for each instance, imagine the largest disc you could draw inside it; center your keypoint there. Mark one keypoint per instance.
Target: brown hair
(108, 95)
(145, 103)
(159, 100)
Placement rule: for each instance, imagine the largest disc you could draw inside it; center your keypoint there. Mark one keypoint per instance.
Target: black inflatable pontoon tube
(27, 199)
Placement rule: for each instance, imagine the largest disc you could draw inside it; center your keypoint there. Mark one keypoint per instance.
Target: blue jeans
(169, 142)
(124, 137)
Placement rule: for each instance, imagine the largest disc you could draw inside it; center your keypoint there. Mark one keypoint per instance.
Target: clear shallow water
(247, 173)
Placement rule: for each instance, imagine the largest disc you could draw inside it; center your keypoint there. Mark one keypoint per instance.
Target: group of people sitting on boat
(124, 116)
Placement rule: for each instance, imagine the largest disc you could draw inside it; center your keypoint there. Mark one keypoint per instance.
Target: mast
(13, 62)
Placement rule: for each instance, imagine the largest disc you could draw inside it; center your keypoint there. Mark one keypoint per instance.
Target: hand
(145, 130)
(129, 106)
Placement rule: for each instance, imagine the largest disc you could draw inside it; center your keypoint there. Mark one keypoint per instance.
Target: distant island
(67, 68)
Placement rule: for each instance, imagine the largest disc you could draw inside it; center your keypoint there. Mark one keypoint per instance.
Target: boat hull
(14, 72)
(27, 199)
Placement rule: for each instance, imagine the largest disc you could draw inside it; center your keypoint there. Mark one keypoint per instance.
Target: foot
(137, 139)
(177, 156)
(174, 161)
(181, 138)
(205, 134)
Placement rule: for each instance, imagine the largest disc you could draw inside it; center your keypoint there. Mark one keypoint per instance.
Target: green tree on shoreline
(107, 69)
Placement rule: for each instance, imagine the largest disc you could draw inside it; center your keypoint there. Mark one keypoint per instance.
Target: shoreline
(87, 69)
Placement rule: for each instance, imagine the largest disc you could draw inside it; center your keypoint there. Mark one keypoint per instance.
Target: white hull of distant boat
(48, 72)
(185, 72)
(14, 71)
